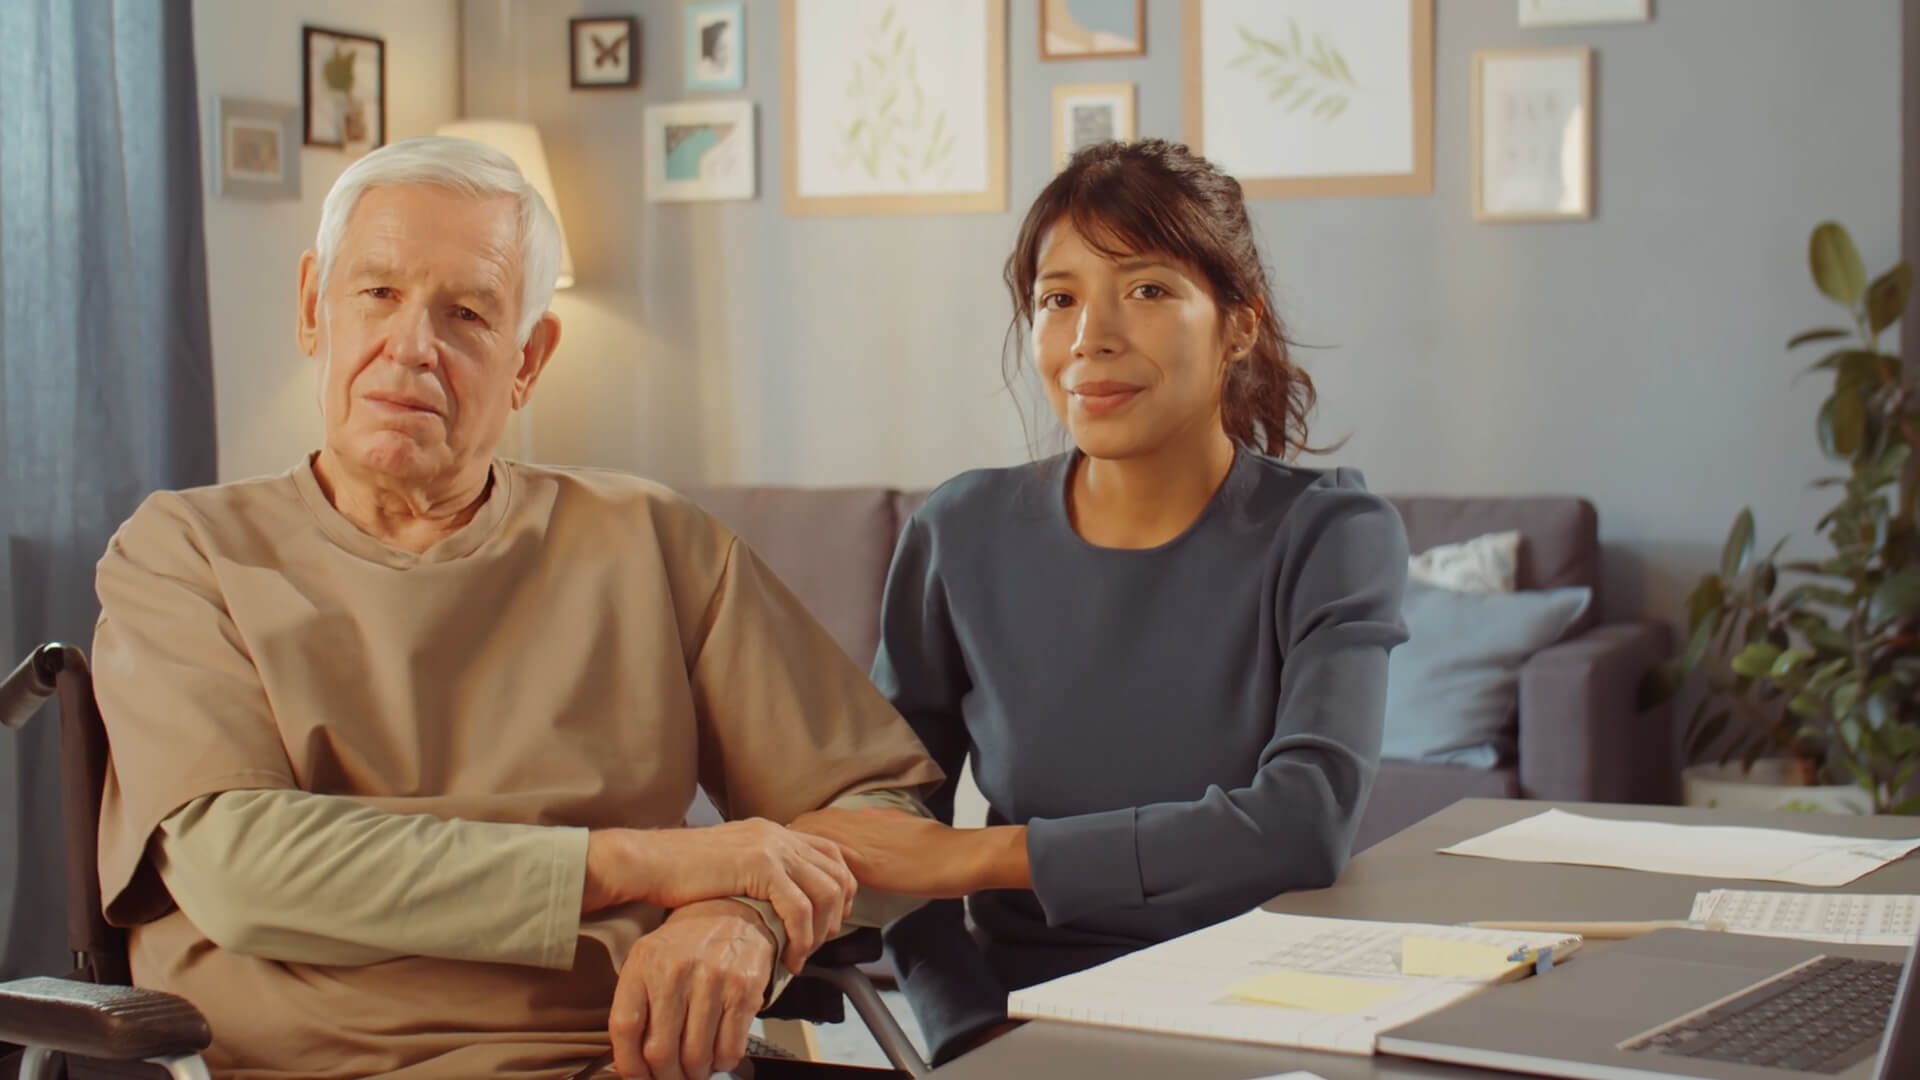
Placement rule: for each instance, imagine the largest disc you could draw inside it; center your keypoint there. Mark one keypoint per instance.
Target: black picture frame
(330, 132)
(627, 39)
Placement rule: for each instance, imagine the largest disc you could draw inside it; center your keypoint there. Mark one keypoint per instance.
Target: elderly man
(403, 737)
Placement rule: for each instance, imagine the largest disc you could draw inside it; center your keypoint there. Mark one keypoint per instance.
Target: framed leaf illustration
(1302, 98)
(895, 106)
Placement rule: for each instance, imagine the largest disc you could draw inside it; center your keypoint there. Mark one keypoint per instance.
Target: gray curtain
(106, 382)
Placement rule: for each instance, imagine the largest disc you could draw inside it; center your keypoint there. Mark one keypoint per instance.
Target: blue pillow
(1453, 687)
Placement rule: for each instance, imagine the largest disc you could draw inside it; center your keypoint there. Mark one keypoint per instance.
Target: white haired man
(403, 738)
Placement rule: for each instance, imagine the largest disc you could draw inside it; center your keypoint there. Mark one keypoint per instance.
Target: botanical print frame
(1085, 113)
(343, 90)
(904, 115)
(256, 149)
(1092, 29)
(1300, 98)
(716, 56)
(1583, 12)
(701, 151)
(1533, 134)
(603, 52)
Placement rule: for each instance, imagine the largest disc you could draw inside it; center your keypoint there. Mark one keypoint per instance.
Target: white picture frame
(1533, 134)
(701, 151)
(716, 46)
(895, 106)
(1307, 98)
(1085, 113)
(1538, 13)
(256, 149)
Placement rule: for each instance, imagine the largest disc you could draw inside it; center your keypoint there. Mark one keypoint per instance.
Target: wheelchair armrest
(112, 1023)
(862, 946)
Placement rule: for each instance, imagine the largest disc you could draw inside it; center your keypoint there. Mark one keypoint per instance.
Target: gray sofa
(1581, 736)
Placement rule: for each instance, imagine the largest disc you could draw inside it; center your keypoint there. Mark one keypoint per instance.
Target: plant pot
(1772, 784)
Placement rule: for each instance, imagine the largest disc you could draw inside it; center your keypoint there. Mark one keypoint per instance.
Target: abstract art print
(344, 90)
(700, 151)
(716, 47)
(895, 106)
(256, 147)
(1533, 135)
(1084, 29)
(1088, 113)
(1313, 97)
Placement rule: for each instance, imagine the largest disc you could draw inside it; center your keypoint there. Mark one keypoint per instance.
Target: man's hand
(688, 993)
(897, 852)
(805, 878)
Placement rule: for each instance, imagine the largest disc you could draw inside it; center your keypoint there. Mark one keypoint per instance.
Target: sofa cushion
(1453, 686)
(1483, 564)
(830, 545)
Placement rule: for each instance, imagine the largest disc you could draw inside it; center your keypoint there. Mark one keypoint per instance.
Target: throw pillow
(1453, 687)
(1484, 564)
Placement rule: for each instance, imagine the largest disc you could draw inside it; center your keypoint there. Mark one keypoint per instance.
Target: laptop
(1690, 1003)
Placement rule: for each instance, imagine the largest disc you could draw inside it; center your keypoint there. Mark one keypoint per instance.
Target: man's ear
(306, 328)
(534, 356)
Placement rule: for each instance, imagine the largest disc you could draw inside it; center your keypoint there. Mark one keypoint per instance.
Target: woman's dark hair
(1157, 197)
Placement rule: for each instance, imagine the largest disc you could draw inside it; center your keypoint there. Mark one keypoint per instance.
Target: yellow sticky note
(1305, 990)
(1455, 959)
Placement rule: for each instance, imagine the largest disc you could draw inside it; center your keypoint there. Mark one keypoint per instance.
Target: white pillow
(1484, 564)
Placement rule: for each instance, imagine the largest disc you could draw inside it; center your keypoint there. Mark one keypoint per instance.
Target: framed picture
(1088, 113)
(344, 93)
(1583, 12)
(716, 46)
(256, 149)
(1083, 29)
(895, 106)
(700, 151)
(1533, 135)
(1313, 97)
(603, 52)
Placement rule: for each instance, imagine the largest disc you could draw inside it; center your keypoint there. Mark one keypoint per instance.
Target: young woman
(1166, 650)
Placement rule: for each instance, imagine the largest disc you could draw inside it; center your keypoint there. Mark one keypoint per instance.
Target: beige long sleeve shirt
(580, 655)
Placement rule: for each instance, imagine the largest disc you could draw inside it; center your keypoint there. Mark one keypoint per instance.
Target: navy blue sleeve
(1343, 573)
(946, 979)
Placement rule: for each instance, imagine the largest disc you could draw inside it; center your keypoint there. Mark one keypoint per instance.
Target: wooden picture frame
(1053, 47)
(622, 40)
(1069, 98)
(1406, 150)
(337, 110)
(1533, 162)
(818, 88)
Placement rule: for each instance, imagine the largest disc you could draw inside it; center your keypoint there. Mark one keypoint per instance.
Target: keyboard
(1822, 1016)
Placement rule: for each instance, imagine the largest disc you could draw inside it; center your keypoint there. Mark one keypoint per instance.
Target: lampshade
(521, 142)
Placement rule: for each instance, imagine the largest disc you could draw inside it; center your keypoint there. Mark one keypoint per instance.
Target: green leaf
(1887, 296)
(1239, 61)
(1896, 597)
(1704, 600)
(1803, 705)
(1756, 660)
(1341, 63)
(1293, 32)
(886, 19)
(1697, 644)
(1857, 370)
(1843, 422)
(1836, 265)
(1339, 106)
(1788, 662)
(1739, 545)
(1818, 594)
(1797, 340)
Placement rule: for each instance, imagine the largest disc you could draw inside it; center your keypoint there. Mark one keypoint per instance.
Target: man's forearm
(321, 879)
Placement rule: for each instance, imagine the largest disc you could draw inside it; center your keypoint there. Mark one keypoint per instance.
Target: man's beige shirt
(581, 654)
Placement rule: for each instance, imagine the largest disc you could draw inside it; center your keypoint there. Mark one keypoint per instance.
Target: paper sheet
(1305, 990)
(1457, 959)
(1180, 986)
(1835, 918)
(1718, 851)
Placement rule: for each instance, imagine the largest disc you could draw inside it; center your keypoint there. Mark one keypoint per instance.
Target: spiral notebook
(1288, 980)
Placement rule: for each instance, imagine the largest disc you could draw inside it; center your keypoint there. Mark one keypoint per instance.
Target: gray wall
(1635, 359)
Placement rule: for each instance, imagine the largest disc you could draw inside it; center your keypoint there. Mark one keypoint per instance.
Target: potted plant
(1813, 667)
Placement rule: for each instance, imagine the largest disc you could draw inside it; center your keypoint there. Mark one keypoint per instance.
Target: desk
(1402, 880)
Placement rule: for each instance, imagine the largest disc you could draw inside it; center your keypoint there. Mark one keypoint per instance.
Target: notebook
(1291, 980)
